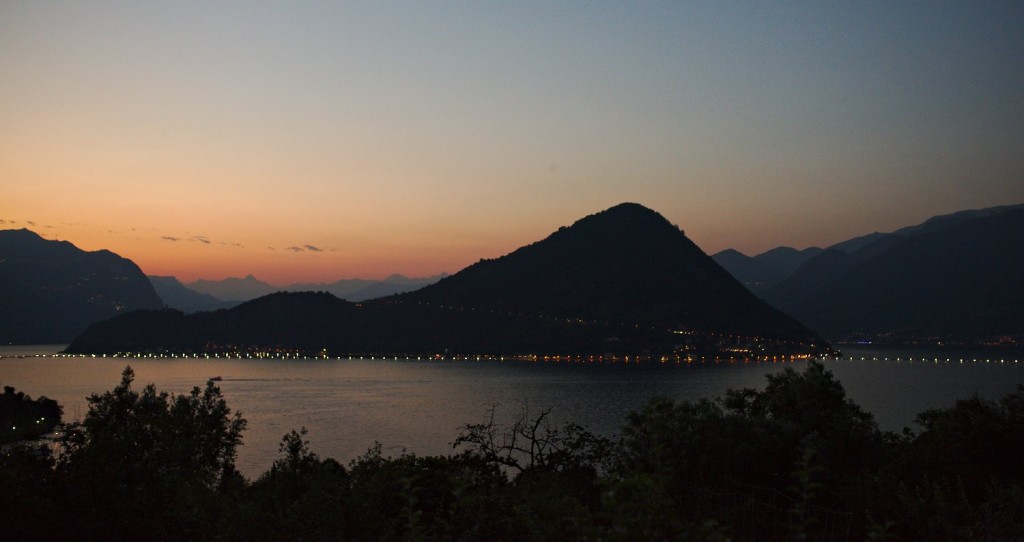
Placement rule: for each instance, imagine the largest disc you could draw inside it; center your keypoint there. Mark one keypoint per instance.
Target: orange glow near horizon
(336, 140)
(199, 257)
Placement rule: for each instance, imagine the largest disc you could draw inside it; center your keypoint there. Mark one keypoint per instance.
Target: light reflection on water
(419, 406)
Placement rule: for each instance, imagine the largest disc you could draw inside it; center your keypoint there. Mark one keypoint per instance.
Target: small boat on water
(216, 378)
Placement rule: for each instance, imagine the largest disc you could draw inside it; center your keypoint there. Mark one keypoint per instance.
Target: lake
(419, 406)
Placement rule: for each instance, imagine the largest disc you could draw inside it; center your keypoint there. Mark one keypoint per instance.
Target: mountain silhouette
(178, 296)
(355, 289)
(765, 270)
(625, 264)
(233, 288)
(814, 276)
(363, 289)
(624, 280)
(958, 277)
(51, 291)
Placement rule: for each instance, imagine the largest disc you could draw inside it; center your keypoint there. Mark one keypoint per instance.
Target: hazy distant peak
(777, 251)
(250, 278)
(400, 279)
(233, 288)
(729, 253)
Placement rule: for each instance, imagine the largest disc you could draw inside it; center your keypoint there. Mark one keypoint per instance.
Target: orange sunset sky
(315, 141)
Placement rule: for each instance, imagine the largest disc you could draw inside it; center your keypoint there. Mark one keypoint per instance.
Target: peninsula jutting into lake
(622, 282)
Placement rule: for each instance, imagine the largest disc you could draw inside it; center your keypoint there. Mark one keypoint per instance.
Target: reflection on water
(419, 406)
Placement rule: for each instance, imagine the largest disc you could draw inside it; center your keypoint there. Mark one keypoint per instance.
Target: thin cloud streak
(202, 239)
(305, 248)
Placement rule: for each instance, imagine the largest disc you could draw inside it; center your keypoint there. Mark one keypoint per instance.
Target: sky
(315, 141)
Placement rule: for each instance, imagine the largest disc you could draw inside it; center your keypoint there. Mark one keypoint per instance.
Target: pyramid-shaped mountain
(627, 264)
(624, 280)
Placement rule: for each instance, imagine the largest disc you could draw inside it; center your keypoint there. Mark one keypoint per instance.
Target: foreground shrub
(797, 460)
(150, 462)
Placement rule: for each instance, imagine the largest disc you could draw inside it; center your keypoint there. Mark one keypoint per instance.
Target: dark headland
(51, 291)
(621, 282)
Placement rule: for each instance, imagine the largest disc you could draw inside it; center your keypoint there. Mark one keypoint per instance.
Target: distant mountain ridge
(356, 289)
(960, 279)
(871, 286)
(51, 291)
(232, 288)
(622, 280)
(177, 296)
(764, 270)
(769, 268)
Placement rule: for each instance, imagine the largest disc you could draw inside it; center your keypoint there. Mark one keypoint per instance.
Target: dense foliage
(22, 418)
(797, 460)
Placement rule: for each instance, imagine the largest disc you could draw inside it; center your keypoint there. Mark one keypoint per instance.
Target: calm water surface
(419, 406)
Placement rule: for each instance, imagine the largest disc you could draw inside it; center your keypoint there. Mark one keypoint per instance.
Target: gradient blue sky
(322, 140)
